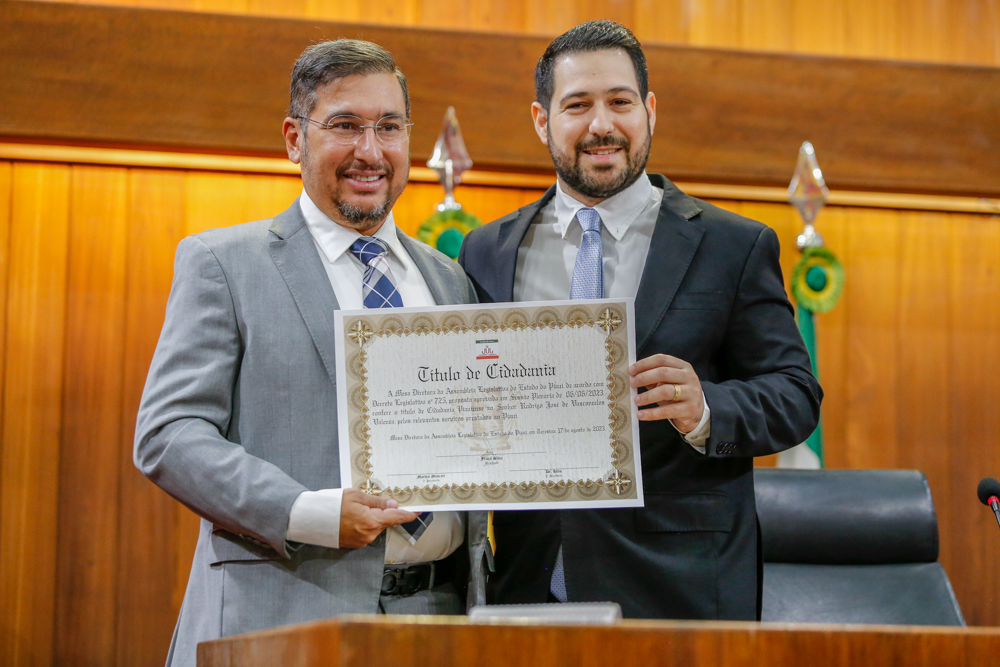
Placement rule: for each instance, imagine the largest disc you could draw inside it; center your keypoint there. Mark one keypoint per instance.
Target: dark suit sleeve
(473, 257)
(772, 400)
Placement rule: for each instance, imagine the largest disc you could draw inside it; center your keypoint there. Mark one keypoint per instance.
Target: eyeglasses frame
(327, 126)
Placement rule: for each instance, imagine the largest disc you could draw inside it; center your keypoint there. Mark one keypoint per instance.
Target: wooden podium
(436, 641)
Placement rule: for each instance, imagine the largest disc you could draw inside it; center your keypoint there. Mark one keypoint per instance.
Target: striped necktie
(588, 283)
(378, 290)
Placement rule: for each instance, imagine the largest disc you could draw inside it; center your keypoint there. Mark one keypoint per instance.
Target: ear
(541, 119)
(651, 110)
(293, 138)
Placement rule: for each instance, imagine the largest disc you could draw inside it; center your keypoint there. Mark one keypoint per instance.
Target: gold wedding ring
(677, 393)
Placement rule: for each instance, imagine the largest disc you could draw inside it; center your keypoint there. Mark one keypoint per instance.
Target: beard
(601, 182)
(361, 217)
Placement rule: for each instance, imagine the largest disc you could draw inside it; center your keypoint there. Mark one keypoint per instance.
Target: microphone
(989, 494)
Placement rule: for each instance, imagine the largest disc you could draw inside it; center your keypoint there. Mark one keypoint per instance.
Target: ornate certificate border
(621, 486)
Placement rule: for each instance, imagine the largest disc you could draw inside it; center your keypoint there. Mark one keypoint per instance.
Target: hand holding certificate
(490, 406)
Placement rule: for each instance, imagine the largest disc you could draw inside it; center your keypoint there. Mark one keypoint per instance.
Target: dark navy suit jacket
(712, 294)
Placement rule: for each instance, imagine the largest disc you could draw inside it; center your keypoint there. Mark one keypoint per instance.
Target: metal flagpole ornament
(449, 224)
(817, 281)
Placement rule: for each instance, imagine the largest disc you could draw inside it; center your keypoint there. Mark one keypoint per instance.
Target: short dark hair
(589, 36)
(335, 59)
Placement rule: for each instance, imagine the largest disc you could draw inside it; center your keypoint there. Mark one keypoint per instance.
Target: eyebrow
(610, 91)
(393, 115)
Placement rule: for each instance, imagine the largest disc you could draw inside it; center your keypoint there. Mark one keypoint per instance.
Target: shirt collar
(334, 240)
(617, 212)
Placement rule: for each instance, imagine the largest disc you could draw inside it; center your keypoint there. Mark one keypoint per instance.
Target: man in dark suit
(723, 375)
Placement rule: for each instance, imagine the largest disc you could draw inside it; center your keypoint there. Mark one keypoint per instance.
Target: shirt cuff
(699, 436)
(315, 518)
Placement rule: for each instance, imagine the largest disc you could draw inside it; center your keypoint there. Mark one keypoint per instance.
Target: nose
(601, 124)
(368, 148)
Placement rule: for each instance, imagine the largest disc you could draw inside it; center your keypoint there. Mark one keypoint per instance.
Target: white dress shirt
(627, 223)
(315, 515)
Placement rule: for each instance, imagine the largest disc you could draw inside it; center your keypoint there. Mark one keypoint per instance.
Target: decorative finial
(808, 193)
(450, 159)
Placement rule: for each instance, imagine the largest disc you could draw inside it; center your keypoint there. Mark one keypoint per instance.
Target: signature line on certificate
(450, 472)
(448, 456)
(537, 469)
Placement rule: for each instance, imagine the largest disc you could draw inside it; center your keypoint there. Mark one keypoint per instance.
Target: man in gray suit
(238, 418)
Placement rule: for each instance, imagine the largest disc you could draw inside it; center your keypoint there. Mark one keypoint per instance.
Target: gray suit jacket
(239, 416)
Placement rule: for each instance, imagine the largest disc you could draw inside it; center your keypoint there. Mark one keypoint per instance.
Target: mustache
(602, 142)
(383, 168)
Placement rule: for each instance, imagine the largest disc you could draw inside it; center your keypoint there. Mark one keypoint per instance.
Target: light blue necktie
(588, 272)
(378, 290)
(588, 283)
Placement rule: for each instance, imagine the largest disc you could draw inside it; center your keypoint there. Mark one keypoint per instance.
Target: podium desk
(452, 641)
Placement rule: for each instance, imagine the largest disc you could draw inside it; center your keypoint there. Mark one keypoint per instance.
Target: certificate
(490, 406)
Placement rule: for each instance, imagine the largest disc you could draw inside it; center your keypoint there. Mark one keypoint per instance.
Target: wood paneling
(907, 361)
(6, 183)
(89, 511)
(924, 373)
(958, 31)
(181, 80)
(873, 246)
(32, 385)
(974, 357)
(147, 581)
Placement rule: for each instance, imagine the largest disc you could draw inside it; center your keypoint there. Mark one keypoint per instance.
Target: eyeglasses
(347, 130)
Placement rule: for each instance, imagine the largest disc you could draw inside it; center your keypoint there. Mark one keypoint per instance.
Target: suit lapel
(510, 236)
(673, 246)
(295, 255)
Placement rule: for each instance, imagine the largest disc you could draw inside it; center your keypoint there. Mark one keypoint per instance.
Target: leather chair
(851, 546)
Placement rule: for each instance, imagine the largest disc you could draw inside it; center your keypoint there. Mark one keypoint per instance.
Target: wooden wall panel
(957, 31)
(873, 245)
(221, 200)
(148, 558)
(726, 117)
(6, 183)
(917, 317)
(974, 441)
(32, 386)
(924, 374)
(89, 512)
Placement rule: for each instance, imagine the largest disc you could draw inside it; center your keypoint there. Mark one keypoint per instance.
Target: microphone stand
(995, 506)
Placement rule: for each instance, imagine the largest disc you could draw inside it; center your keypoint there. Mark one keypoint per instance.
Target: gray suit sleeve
(184, 418)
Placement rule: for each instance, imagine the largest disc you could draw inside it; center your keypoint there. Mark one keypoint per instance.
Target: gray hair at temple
(589, 36)
(331, 60)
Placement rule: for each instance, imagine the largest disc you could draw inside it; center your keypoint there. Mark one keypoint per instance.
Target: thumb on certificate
(394, 517)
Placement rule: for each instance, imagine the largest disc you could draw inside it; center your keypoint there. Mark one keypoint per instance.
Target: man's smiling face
(598, 128)
(356, 184)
